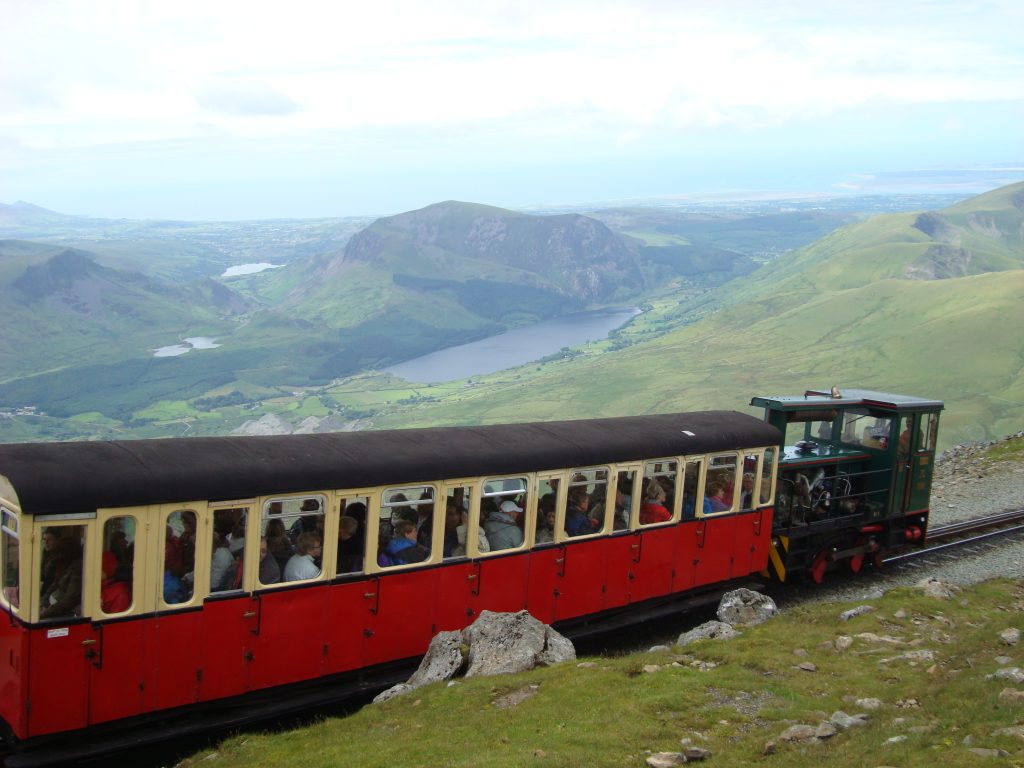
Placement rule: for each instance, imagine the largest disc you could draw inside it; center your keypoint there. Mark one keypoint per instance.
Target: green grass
(614, 713)
(1010, 450)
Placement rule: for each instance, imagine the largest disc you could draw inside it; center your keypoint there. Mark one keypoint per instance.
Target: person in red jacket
(653, 509)
(115, 596)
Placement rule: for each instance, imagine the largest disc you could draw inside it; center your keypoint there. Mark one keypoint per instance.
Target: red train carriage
(152, 586)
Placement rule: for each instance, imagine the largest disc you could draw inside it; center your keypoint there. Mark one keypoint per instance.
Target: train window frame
(880, 439)
(561, 493)
(7, 534)
(772, 475)
(373, 534)
(563, 508)
(527, 523)
(676, 498)
(85, 521)
(248, 505)
(737, 456)
(698, 491)
(348, 495)
(471, 538)
(757, 456)
(139, 567)
(163, 512)
(256, 526)
(632, 519)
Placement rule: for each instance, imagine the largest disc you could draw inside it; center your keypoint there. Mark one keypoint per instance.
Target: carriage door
(117, 667)
(63, 645)
(922, 460)
(902, 473)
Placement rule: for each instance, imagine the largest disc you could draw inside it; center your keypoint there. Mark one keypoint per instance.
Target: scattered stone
(651, 668)
(828, 645)
(900, 614)
(1013, 674)
(895, 739)
(843, 642)
(769, 748)
(1011, 696)
(693, 754)
(983, 752)
(860, 610)
(825, 730)
(932, 587)
(921, 728)
(799, 733)
(1002, 660)
(911, 703)
(745, 606)
(801, 652)
(1010, 636)
(539, 753)
(869, 704)
(587, 665)
(1016, 731)
(871, 637)
(392, 692)
(658, 648)
(515, 698)
(665, 759)
(709, 630)
(873, 594)
(911, 657)
(807, 666)
(844, 721)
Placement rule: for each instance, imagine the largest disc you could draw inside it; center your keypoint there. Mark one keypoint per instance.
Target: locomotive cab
(854, 477)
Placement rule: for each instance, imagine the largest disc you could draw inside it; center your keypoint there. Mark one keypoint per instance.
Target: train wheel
(819, 566)
(856, 563)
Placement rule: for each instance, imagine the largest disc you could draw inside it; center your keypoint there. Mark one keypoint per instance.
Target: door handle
(89, 642)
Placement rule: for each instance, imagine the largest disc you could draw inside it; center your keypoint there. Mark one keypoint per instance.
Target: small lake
(512, 348)
(186, 345)
(249, 269)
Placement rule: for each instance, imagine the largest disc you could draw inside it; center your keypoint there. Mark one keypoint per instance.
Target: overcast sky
(227, 110)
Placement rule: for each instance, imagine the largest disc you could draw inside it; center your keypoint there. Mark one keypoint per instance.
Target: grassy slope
(615, 712)
(837, 312)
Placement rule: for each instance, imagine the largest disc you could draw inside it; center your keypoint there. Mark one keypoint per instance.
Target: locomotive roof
(848, 398)
(57, 478)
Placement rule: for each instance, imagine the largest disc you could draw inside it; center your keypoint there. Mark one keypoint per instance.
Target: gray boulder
(744, 606)
(442, 662)
(505, 643)
(709, 630)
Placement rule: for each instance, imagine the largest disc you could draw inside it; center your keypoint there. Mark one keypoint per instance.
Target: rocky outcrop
(746, 607)
(494, 644)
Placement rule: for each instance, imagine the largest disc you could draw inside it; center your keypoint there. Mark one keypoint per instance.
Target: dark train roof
(848, 398)
(53, 478)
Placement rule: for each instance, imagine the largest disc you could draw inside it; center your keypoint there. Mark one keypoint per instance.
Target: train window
(748, 483)
(406, 516)
(720, 485)
(691, 485)
(179, 556)
(117, 565)
(584, 503)
(547, 510)
(293, 527)
(659, 492)
(862, 428)
(623, 513)
(458, 540)
(351, 535)
(819, 431)
(503, 511)
(10, 550)
(929, 426)
(60, 576)
(767, 476)
(227, 561)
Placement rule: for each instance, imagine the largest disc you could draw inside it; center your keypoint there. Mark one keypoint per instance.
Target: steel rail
(967, 526)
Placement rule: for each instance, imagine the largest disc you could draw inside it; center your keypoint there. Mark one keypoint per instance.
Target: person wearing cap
(502, 527)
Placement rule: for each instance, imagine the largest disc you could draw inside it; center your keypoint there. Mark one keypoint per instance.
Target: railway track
(964, 534)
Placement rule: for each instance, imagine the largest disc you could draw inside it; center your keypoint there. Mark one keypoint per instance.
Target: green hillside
(842, 311)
